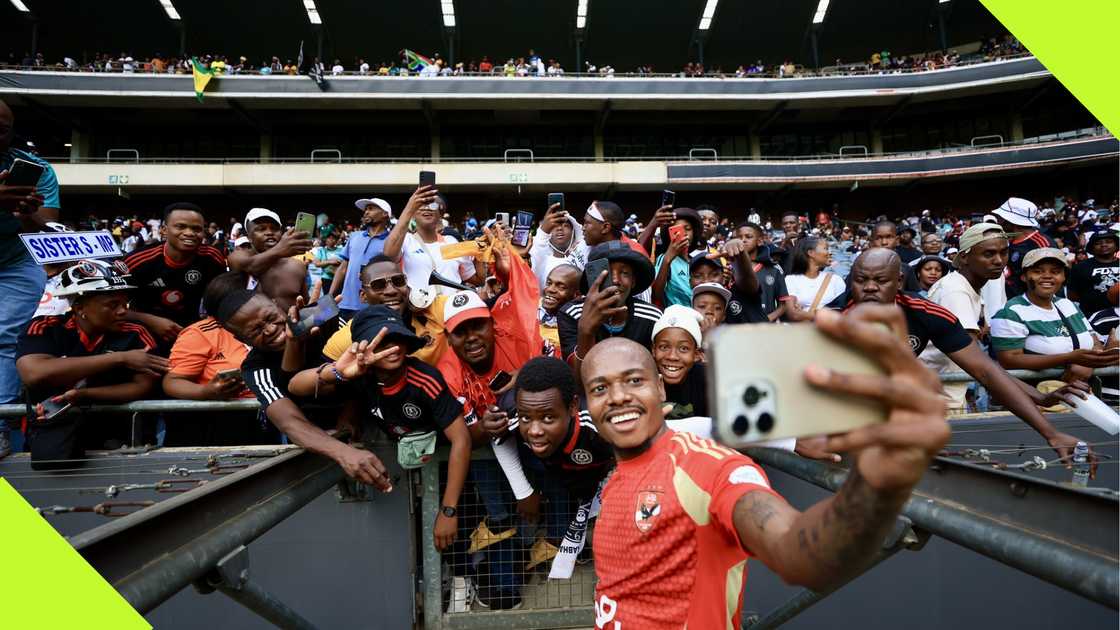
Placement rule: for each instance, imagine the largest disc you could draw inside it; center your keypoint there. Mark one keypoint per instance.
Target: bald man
(22, 209)
(684, 513)
(876, 277)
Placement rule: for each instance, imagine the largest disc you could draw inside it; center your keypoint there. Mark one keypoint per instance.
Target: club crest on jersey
(581, 456)
(193, 276)
(410, 411)
(735, 307)
(647, 510)
(914, 343)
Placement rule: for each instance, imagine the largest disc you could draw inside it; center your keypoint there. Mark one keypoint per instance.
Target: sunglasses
(379, 284)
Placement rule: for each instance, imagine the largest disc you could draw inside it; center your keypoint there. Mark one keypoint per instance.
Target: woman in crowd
(1039, 329)
(808, 282)
(930, 269)
(92, 354)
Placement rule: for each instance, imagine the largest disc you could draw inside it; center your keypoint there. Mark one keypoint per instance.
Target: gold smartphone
(757, 389)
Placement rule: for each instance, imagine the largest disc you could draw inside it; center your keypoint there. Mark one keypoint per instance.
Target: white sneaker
(462, 594)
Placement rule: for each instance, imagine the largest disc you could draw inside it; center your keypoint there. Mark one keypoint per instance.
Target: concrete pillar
(756, 145)
(266, 147)
(1016, 126)
(600, 144)
(79, 145)
(436, 142)
(877, 141)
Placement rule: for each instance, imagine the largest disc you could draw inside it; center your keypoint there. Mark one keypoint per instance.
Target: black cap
(1100, 235)
(702, 259)
(620, 251)
(371, 319)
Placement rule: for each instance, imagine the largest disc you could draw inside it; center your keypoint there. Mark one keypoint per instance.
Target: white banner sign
(54, 247)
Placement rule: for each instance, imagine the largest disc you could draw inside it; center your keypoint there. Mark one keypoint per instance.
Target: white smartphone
(757, 389)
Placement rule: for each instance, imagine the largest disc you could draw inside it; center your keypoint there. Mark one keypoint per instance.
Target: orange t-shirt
(205, 348)
(666, 550)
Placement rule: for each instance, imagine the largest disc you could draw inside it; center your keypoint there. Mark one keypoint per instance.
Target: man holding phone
(25, 206)
(687, 513)
(557, 241)
(270, 243)
(363, 245)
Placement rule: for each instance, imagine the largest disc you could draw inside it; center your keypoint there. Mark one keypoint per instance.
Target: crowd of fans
(431, 333)
(883, 62)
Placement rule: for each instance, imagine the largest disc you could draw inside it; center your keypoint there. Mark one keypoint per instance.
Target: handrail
(843, 70)
(336, 152)
(1067, 136)
(987, 144)
(853, 146)
(694, 152)
(508, 152)
(14, 410)
(134, 152)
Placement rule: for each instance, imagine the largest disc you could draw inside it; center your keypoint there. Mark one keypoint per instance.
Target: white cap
(262, 213)
(1018, 212)
(362, 204)
(239, 241)
(461, 306)
(712, 287)
(678, 316)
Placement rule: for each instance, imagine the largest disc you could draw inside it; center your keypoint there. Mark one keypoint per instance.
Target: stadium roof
(622, 33)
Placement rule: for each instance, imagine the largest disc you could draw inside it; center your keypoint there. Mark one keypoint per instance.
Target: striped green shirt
(1021, 325)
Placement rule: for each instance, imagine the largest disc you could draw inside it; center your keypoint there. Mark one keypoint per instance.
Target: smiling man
(681, 515)
(269, 244)
(877, 277)
(560, 287)
(171, 276)
(362, 246)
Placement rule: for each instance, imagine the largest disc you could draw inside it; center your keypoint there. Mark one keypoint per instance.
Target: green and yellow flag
(202, 76)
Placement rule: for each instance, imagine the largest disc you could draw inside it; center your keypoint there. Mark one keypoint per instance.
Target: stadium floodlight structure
(170, 10)
(20, 6)
(581, 31)
(815, 27)
(703, 26)
(312, 12)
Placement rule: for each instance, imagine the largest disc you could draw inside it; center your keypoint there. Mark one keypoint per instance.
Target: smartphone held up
(762, 401)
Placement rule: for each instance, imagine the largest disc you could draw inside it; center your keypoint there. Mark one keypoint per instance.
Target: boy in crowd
(560, 287)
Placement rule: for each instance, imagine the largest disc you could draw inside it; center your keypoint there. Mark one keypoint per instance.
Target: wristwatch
(448, 510)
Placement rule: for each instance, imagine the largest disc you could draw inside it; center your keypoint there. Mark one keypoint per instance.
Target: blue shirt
(360, 249)
(12, 250)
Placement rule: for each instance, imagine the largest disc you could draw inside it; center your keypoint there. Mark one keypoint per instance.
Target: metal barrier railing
(133, 152)
(702, 152)
(994, 136)
(321, 152)
(15, 410)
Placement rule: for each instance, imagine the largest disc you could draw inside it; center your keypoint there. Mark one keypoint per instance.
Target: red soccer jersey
(666, 551)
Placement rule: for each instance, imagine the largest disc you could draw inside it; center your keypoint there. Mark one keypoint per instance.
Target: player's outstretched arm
(836, 538)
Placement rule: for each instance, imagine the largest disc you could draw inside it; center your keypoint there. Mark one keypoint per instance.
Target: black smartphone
(23, 173)
(668, 198)
(593, 270)
(229, 375)
(322, 312)
(556, 198)
(427, 178)
(524, 219)
(500, 380)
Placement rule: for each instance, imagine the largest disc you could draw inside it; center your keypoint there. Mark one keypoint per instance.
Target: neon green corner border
(1077, 41)
(45, 584)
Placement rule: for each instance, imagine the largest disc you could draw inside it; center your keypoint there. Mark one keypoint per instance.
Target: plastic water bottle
(1081, 465)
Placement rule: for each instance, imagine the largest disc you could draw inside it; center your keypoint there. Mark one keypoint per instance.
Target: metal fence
(16, 410)
(497, 575)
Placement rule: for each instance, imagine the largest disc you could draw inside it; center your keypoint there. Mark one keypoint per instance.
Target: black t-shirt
(690, 396)
(420, 401)
(1090, 280)
(169, 290)
(926, 322)
(639, 324)
(264, 376)
(771, 292)
(583, 459)
(1017, 251)
(908, 254)
(60, 336)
